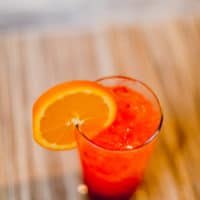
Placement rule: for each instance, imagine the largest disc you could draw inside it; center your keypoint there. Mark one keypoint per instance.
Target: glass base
(95, 196)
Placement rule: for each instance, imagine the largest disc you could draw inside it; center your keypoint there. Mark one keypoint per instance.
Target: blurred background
(44, 42)
(42, 13)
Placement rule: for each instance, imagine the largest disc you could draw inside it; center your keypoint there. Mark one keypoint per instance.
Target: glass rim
(149, 139)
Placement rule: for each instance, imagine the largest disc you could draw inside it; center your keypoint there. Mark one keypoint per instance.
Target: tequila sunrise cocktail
(114, 123)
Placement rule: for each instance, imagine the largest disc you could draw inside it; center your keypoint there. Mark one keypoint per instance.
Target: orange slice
(59, 110)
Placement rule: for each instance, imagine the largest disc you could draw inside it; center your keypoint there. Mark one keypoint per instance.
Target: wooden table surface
(166, 56)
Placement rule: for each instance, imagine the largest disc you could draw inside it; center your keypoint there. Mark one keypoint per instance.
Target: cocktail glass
(115, 174)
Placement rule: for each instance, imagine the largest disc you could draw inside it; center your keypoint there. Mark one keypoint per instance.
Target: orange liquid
(112, 164)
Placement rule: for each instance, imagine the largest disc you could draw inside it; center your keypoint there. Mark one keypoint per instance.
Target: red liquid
(110, 168)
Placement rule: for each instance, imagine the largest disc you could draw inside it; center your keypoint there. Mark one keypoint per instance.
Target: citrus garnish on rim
(77, 103)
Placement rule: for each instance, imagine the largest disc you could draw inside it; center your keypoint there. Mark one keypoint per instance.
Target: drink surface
(136, 121)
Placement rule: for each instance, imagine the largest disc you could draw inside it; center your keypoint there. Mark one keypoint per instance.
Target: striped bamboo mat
(166, 56)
